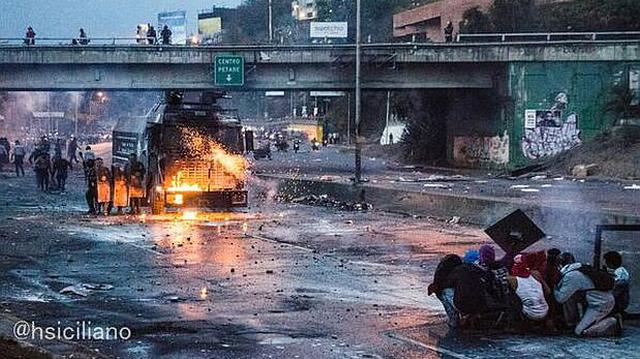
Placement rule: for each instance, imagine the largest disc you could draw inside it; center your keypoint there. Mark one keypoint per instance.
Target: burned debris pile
(325, 201)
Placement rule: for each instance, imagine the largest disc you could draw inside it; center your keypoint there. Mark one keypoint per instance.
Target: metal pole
(270, 21)
(358, 170)
(75, 131)
(348, 118)
(386, 127)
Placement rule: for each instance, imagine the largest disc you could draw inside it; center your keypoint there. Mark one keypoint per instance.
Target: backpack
(601, 279)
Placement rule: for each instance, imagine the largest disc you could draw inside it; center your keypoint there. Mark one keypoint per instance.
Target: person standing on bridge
(152, 36)
(30, 37)
(141, 35)
(82, 38)
(448, 32)
(166, 35)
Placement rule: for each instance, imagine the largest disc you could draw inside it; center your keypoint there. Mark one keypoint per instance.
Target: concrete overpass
(326, 67)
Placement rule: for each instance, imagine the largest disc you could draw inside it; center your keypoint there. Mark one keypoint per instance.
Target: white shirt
(530, 292)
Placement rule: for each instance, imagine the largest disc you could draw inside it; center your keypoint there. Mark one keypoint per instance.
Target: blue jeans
(446, 297)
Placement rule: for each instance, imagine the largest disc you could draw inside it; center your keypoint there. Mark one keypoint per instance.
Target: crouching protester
(465, 291)
(582, 283)
(530, 287)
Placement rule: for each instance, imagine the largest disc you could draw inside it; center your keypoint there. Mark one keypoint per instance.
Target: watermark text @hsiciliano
(79, 330)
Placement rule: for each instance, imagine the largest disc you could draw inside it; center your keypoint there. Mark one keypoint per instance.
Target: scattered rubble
(582, 171)
(325, 201)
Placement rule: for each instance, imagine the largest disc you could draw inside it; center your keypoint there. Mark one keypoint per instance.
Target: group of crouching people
(547, 292)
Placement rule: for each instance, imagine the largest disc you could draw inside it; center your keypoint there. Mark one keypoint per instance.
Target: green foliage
(513, 15)
(474, 21)
(577, 15)
(620, 103)
(591, 15)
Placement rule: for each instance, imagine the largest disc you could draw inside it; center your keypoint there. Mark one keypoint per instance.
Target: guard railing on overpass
(550, 37)
(461, 39)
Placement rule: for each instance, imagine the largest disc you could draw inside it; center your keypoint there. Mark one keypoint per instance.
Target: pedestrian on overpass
(82, 38)
(30, 37)
(448, 32)
(166, 35)
(152, 36)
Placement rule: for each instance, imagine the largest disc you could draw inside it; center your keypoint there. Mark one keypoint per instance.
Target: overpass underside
(258, 77)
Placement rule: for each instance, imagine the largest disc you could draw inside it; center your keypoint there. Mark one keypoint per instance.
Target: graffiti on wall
(546, 133)
(473, 151)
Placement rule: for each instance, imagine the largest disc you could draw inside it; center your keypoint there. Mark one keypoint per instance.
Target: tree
(474, 21)
(620, 103)
(513, 15)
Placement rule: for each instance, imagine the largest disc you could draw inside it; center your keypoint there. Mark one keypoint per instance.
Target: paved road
(274, 281)
(337, 163)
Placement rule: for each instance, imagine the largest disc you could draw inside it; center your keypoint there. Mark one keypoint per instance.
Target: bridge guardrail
(461, 39)
(549, 37)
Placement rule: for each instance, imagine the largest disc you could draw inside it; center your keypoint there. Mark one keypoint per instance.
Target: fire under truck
(193, 151)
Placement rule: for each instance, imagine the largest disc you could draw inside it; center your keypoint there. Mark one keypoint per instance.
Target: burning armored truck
(192, 150)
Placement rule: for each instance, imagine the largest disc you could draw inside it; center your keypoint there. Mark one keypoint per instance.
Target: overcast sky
(100, 18)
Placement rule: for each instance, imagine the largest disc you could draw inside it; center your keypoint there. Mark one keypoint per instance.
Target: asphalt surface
(276, 280)
(336, 163)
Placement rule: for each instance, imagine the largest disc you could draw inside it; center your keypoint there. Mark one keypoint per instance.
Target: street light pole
(358, 170)
(270, 21)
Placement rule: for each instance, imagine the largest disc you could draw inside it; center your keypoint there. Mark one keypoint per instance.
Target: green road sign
(229, 70)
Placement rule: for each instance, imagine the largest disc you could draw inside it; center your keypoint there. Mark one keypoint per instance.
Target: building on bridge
(427, 22)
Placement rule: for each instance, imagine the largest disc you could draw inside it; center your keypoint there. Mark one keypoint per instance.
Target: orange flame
(226, 170)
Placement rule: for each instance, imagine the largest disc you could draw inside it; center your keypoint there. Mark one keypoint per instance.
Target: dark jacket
(446, 265)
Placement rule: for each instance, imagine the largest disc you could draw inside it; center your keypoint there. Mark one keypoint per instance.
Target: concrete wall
(431, 19)
(556, 106)
(539, 109)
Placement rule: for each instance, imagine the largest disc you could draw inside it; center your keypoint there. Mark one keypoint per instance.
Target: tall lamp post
(358, 155)
(270, 21)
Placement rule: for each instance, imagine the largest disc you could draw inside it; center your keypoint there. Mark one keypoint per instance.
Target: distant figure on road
(103, 187)
(82, 39)
(4, 157)
(72, 150)
(141, 36)
(57, 150)
(91, 179)
(448, 32)
(30, 37)
(166, 35)
(120, 197)
(152, 35)
(42, 168)
(61, 168)
(18, 158)
(135, 182)
(391, 138)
